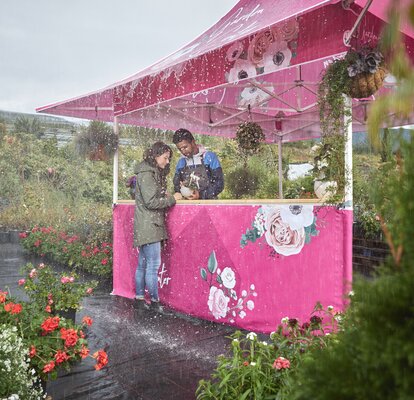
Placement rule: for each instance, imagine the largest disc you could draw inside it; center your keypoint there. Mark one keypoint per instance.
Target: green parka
(151, 203)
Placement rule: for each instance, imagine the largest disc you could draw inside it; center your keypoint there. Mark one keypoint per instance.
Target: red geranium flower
(50, 324)
(61, 357)
(104, 261)
(70, 336)
(87, 320)
(49, 367)
(84, 352)
(3, 296)
(101, 359)
(32, 351)
(22, 235)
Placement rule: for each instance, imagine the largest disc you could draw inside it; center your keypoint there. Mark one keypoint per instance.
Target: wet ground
(151, 356)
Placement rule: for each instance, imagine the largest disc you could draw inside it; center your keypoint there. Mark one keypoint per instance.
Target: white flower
(297, 216)
(228, 277)
(241, 69)
(250, 305)
(351, 293)
(242, 314)
(236, 340)
(277, 56)
(285, 320)
(252, 287)
(217, 302)
(329, 308)
(251, 336)
(264, 343)
(234, 51)
(252, 96)
(244, 293)
(338, 317)
(252, 363)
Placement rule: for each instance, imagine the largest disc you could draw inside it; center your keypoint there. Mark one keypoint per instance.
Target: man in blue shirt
(199, 165)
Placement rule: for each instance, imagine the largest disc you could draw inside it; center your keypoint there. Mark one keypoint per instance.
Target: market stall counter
(247, 263)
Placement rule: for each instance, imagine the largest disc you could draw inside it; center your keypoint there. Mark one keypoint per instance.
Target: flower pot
(325, 189)
(366, 84)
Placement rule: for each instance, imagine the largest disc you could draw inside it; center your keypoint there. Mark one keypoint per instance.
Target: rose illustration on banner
(218, 302)
(223, 300)
(286, 228)
(263, 52)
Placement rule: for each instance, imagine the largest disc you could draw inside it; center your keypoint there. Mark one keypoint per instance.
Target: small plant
(260, 369)
(54, 292)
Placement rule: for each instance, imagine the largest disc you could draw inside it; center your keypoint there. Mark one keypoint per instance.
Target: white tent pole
(348, 154)
(115, 167)
(279, 147)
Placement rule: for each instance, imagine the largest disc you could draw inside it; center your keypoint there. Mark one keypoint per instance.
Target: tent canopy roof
(262, 61)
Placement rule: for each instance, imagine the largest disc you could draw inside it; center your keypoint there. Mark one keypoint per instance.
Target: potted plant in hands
(59, 294)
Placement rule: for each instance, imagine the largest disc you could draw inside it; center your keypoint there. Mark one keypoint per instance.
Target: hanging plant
(249, 136)
(358, 75)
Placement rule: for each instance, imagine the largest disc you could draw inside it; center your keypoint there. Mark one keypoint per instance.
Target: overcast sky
(52, 50)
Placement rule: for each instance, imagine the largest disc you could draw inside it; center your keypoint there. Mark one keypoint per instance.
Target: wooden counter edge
(240, 202)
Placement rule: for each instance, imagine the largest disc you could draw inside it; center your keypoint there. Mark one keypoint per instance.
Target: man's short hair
(182, 134)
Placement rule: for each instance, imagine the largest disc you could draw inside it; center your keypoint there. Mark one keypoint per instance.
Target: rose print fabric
(245, 265)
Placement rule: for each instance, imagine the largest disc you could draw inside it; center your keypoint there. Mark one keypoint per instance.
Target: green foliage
(256, 369)
(91, 256)
(57, 292)
(28, 125)
(98, 141)
(243, 182)
(300, 188)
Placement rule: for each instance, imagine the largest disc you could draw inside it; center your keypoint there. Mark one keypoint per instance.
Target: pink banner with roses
(245, 265)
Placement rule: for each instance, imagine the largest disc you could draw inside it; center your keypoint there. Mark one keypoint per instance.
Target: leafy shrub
(69, 250)
(256, 369)
(242, 182)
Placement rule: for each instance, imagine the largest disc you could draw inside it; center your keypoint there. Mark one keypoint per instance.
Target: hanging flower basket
(366, 84)
(249, 135)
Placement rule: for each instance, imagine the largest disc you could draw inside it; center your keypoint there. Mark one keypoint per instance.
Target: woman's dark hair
(156, 150)
(182, 134)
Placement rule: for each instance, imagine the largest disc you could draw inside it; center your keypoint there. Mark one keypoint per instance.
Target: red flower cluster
(101, 359)
(13, 308)
(70, 336)
(281, 363)
(50, 324)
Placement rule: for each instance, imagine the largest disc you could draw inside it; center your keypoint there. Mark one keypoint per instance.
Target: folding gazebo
(262, 61)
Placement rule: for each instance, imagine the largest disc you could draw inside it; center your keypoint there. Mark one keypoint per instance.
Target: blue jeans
(146, 275)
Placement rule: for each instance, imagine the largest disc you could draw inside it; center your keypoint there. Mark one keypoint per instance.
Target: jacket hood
(143, 166)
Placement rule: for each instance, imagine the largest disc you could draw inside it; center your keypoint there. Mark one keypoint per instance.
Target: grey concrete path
(151, 356)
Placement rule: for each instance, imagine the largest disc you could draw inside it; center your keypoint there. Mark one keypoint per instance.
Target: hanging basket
(366, 84)
(249, 135)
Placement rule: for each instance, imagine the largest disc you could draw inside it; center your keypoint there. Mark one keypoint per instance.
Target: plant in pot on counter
(190, 185)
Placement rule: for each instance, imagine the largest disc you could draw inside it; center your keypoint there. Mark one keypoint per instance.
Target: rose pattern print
(264, 52)
(223, 300)
(286, 228)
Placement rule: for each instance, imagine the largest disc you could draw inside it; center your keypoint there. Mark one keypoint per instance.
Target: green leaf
(245, 394)
(219, 280)
(203, 273)
(212, 262)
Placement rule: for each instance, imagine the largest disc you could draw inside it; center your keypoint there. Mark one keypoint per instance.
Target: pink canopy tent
(262, 61)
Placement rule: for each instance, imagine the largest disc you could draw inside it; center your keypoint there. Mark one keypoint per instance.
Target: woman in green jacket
(151, 202)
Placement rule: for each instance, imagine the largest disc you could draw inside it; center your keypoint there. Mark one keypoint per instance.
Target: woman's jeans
(146, 275)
